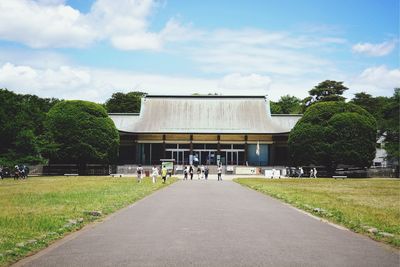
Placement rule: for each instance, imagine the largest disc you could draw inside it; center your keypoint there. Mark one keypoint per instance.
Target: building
(233, 130)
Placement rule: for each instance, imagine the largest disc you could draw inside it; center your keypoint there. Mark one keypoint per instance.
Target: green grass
(39, 208)
(354, 203)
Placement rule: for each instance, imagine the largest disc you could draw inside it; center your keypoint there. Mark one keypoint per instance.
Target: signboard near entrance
(168, 164)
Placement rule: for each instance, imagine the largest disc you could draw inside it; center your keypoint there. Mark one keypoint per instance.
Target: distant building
(232, 130)
(380, 159)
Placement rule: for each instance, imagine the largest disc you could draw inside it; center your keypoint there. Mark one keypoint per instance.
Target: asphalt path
(211, 223)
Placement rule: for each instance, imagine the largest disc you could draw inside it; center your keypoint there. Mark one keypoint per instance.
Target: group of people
(313, 172)
(154, 173)
(202, 173)
(20, 172)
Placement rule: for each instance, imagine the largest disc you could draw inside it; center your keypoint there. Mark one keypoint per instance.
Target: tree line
(38, 130)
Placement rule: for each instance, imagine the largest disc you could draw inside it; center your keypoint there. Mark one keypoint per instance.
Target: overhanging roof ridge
(204, 96)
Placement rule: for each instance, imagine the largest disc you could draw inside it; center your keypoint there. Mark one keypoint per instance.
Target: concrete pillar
(245, 149)
(191, 144)
(163, 146)
(218, 144)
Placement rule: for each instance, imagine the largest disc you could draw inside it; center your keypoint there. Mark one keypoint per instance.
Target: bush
(83, 132)
(333, 133)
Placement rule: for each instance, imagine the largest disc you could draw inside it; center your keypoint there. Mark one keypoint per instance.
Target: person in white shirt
(301, 172)
(154, 174)
(315, 173)
(139, 172)
(202, 171)
(219, 173)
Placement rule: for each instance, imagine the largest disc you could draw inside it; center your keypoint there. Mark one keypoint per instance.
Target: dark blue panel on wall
(257, 160)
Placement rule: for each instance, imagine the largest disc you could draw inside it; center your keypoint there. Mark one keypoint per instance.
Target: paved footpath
(211, 223)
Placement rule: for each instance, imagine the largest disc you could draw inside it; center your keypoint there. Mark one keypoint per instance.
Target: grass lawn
(358, 204)
(35, 212)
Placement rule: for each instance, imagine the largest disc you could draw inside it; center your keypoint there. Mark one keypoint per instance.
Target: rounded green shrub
(83, 132)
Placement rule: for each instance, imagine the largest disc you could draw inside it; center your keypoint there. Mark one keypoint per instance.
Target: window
(184, 146)
(173, 146)
(211, 146)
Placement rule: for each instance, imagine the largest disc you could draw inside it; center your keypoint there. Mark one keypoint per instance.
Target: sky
(90, 49)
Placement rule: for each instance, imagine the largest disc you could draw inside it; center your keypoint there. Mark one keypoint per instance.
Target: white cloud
(63, 82)
(98, 84)
(376, 81)
(374, 50)
(40, 24)
(142, 41)
(52, 23)
(257, 51)
(253, 82)
(51, 2)
(68, 82)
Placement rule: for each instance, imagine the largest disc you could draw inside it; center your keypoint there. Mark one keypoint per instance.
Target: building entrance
(232, 157)
(202, 154)
(205, 157)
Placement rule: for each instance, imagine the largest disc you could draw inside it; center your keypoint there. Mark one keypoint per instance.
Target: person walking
(315, 173)
(219, 171)
(202, 171)
(139, 172)
(311, 173)
(301, 172)
(154, 174)
(191, 172)
(206, 170)
(185, 173)
(164, 173)
(198, 172)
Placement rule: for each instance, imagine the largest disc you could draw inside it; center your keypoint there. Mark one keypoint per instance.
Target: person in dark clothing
(206, 172)
(191, 172)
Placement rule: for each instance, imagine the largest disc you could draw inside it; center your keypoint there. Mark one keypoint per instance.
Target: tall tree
(21, 127)
(289, 105)
(373, 105)
(333, 133)
(275, 108)
(124, 103)
(391, 128)
(83, 132)
(326, 91)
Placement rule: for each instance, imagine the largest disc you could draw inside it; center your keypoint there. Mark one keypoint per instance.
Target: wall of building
(237, 149)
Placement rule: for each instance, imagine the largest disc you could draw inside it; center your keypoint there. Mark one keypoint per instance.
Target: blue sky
(77, 49)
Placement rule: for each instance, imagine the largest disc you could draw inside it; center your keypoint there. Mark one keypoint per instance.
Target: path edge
(71, 236)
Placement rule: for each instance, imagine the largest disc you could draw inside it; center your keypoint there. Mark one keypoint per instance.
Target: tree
(83, 132)
(386, 112)
(275, 108)
(391, 127)
(326, 91)
(333, 133)
(288, 104)
(124, 103)
(373, 105)
(21, 125)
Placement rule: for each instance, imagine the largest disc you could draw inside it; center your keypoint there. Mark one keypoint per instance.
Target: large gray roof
(287, 121)
(203, 114)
